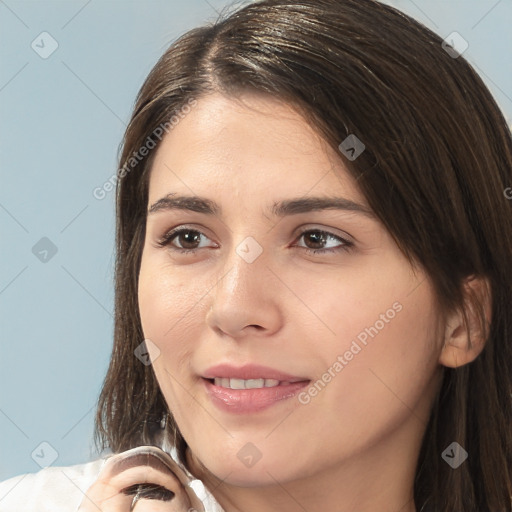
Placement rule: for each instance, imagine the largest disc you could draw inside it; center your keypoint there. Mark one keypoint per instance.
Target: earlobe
(463, 342)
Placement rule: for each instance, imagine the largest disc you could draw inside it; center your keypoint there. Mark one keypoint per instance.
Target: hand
(143, 479)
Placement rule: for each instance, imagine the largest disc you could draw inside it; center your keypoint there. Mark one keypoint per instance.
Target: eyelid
(165, 238)
(329, 230)
(168, 234)
(346, 241)
(300, 230)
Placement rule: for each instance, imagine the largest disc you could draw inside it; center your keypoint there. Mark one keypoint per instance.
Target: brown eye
(316, 239)
(187, 239)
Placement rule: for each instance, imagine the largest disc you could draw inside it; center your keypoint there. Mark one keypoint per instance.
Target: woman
(313, 305)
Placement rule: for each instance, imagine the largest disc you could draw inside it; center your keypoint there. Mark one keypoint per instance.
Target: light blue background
(61, 122)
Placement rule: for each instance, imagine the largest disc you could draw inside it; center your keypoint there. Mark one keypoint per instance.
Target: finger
(122, 474)
(158, 459)
(154, 498)
(143, 475)
(141, 456)
(106, 491)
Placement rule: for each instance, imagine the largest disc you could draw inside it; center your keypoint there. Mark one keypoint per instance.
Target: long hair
(435, 170)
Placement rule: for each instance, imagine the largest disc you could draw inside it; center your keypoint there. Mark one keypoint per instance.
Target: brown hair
(438, 158)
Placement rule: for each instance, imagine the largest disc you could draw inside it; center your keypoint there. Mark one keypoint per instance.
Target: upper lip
(249, 371)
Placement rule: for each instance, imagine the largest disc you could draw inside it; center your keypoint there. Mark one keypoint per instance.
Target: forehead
(251, 147)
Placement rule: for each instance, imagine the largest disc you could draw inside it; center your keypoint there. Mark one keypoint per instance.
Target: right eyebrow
(192, 203)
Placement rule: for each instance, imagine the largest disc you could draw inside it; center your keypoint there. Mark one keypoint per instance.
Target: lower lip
(251, 400)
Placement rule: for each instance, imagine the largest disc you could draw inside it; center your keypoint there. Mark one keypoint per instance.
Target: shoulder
(52, 489)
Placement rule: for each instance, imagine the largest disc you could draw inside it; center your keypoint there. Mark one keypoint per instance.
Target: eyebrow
(282, 208)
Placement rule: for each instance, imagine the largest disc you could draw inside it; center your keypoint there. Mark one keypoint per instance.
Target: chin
(250, 477)
(257, 473)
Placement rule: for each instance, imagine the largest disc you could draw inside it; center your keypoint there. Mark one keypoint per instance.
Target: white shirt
(62, 489)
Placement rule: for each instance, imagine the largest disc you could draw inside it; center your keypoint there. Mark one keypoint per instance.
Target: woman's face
(347, 333)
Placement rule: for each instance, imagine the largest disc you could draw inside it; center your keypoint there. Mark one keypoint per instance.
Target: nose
(244, 299)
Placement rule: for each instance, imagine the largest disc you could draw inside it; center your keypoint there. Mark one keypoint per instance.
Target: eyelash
(169, 237)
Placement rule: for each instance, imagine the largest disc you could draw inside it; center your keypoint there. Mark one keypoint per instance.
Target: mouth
(251, 388)
(232, 383)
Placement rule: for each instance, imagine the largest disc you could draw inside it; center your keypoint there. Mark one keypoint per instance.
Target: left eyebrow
(309, 204)
(282, 208)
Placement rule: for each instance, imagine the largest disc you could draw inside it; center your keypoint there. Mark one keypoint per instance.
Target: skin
(353, 446)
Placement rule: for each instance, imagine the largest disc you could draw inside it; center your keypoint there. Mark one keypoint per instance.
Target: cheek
(381, 349)
(169, 312)
(387, 367)
(167, 318)
(406, 346)
(167, 304)
(336, 307)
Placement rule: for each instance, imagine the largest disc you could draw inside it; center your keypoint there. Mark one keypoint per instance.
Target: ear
(463, 341)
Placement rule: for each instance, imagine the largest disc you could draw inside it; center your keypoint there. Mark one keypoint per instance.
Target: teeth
(236, 384)
(254, 383)
(247, 384)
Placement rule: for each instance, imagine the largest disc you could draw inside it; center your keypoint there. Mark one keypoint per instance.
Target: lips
(250, 388)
